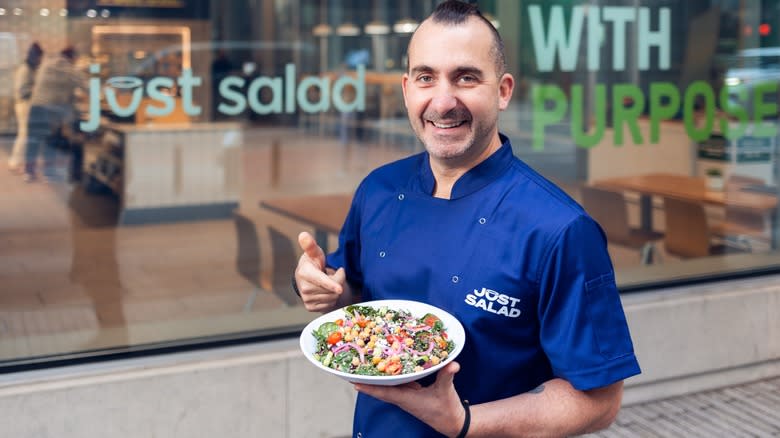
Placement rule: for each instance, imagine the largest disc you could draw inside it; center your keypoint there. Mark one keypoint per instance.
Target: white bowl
(453, 327)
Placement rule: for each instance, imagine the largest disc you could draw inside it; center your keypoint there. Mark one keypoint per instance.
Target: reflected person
(468, 227)
(52, 105)
(94, 264)
(24, 78)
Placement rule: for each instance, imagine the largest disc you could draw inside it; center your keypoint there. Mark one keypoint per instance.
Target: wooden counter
(170, 172)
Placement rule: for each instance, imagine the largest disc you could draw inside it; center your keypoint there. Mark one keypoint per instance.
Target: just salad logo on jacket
(494, 302)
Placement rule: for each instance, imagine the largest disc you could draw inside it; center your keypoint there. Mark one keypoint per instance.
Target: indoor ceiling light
(348, 29)
(322, 30)
(377, 28)
(405, 25)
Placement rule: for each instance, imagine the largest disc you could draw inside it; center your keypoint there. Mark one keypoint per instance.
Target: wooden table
(325, 213)
(690, 188)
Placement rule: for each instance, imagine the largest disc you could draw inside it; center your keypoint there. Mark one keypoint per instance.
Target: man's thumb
(311, 249)
(446, 374)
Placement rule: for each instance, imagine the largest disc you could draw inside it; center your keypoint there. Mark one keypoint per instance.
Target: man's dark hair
(454, 12)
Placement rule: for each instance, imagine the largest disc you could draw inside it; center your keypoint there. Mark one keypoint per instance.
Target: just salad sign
(558, 35)
(288, 94)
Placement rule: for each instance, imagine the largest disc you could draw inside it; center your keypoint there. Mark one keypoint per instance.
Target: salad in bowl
(383, 342)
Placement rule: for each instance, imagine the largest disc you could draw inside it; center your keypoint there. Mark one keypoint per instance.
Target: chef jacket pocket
(606, 317)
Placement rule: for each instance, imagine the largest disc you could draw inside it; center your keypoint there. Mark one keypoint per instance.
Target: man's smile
(448, 125)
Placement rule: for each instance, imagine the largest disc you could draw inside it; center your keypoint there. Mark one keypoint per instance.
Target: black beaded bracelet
(295, 286)
(466, 421)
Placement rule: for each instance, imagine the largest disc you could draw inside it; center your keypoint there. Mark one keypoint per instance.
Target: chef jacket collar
(476, 178)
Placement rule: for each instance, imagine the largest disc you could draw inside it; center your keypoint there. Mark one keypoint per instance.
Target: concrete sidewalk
(748, 410)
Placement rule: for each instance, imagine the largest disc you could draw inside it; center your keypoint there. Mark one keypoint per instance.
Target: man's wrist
(464, 430)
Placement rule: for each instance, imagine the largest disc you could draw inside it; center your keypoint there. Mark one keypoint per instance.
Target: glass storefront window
(207, 134)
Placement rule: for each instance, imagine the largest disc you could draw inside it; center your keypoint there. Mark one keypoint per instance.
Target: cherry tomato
(339, 322)
(362, 322)
(430, 319)
(334, 338)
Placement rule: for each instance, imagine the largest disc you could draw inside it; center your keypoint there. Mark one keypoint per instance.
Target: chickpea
(370, 344)
(373, 338)
(360, 343)
(408, 342)
(372, 324)
(381, 366)
(435, 360)
(443, 354)
(375, 360)
(355, 361)
(396, 345)
(349, 337)
(418, 368)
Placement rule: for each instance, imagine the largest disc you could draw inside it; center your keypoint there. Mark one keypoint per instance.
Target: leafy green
(362, 310)
(343, 361)
(325, 329)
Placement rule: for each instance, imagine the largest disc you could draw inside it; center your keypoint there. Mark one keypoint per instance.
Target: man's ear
(506, 85)
(404, 81)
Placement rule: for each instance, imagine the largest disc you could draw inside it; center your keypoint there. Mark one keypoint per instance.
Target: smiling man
(469, 228)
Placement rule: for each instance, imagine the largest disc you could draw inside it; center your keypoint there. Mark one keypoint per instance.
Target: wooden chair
(285, 259)
(740, 227)
(687, 232)
(247, 254)
(609, 209)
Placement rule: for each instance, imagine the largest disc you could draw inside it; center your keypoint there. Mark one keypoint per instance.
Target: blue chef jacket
(510, 255)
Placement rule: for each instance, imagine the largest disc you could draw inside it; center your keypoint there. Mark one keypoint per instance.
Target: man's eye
(425, 78)
(468, 79)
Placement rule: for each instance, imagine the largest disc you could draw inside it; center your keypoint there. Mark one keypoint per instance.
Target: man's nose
(444, 100)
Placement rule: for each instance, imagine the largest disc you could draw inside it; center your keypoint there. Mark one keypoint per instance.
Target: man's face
(452, 91)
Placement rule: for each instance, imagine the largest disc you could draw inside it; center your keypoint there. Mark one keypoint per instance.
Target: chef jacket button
(401, 197)
(382, 254)
(482, 221)
(359, 435)
(455, 279)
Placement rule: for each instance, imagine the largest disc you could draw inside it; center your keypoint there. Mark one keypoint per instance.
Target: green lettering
(696, 89)
(253, 93)
(359, 85)
(628, 115)
(542, 94)
(230, 89)
(323, 87)
(578, 128)
(661, 92)
(763, 109)
(154, 89)
(728, 130)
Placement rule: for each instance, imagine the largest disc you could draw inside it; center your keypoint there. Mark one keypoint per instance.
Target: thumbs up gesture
(322, 289)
